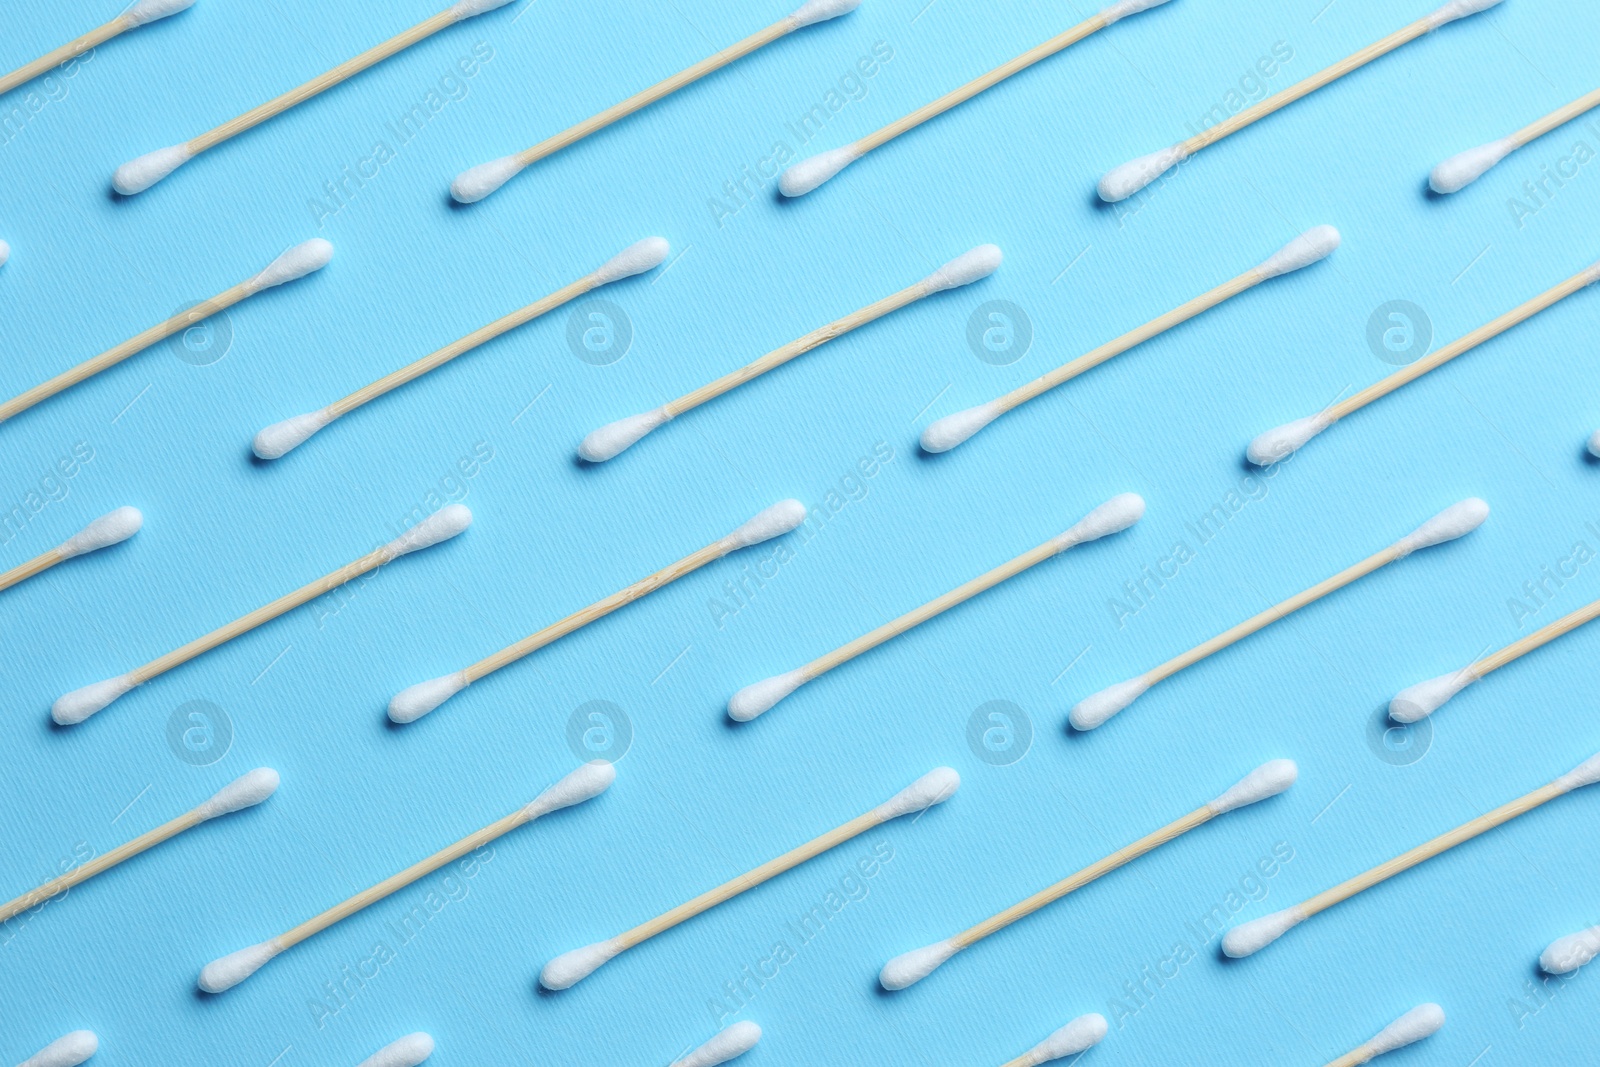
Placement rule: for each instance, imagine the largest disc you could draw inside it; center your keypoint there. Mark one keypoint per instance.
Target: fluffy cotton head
(109, 529)
(965, 269)
(775, 521)
(1084, 1032)
(1313, 246)
(1585, 773)
(1455, 521)
(1285, 441)
(5, 253)
(1459, 9)
(619, 436)
(78, 705)
(570, 968)
(585, 783)
(1460, 171)
(1419, 701)
(1594, 439)
(1253, 936)
(147, 11)
(137, 175)
(1567, 954)
(68, 1051)
(1122, 182)
(731, 1043)
(442, 525)
(807, 174)
(308, 257)
(1114, 516)
(246, 791)
(282, 437)
(912, 967)
(1121, 10)
(409, 1051)
(944, 434)
(935, 787)
(413, 703)
(465, 9)
(756, 699)
(1094, 711)
(637, 258)
(221, 975)
(1416, 1024)
(1267, 780)
(814, 11)
(473, 185)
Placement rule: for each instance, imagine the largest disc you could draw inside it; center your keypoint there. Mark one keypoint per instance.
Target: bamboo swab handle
(23, 571)
(1353, 1058)
(76, 47)
(144, 841)
(1538, 639)
(1560, 117)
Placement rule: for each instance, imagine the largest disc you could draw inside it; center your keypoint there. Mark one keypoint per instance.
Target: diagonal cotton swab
(1257, 934)
(409, 1051)
(68, 1051)
(1115, 515)
(1267, 780)
(733, 1042)
(140, 14)
(1122, 182)
(1416, 1024)
(1566, 954)
(613, 438)
(1310, 247)
(473, 185)
(280, 437)
(243, 792)
(297, 262)
(1423, 699)
(570, 968)
(810, 173)
(1080, 1035)
(1460, 171)
(140, 174)
(109, 529)
(413, 703)
(444, 524)
(583, 784)
(1455, 521)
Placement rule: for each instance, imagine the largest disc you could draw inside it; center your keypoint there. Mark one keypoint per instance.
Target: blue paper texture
(697, 799)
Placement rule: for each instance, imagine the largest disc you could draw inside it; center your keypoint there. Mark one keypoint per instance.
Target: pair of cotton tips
(140, 14)
(1115, 515)
(1460, 171)
(78, 705)
(614, 438)
(280, 438)
(109, 529)
(1312, 246)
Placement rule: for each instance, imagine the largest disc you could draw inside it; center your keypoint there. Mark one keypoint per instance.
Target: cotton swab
(246, 791)
(140, 14)
(1257, 934)
(1594, 444)
(79, 704)
(1567, 954)
(66, 1051)
(1423, 699)
(806, 175)
(1080, 1035)
(1460, 171)
(5, 253)
(137, 175)
(570, 968)
(1122, 182)
(413, 703)
(409, 1051)
(281, 437)
(1455, 521)
(473, 185)
(1310, 247)
(585, 783)
(730, 1044)
(611, 439)
(1280, 443)
(1115, 515)
(107, 530)
(1416, 1024)
(297, 262)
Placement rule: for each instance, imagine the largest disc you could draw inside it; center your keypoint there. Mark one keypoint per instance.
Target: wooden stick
(37, 565)
(1557, 118)
(77, 47)
(1538, 639)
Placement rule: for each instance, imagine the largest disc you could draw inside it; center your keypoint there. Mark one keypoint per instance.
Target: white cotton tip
(585, 783)
(473, 185)
(1460, 171)
(1114, 516)
(137, 175)
(1121, 10)
(413, 703)
(807, 174)
(1459, 9)
(754, 700)
(245, 791)
(442, 525)
(637, 258)
(1122, 182)
(935, 787)
(1567, 954)
(219, 976)
(308, 257)
(1084, 1032)
(912, 967)
(1267, 780)
(1313, 246)
(283, 437)
(570, 968)
(965, 269)
(1416, 1024)
(409, 1051)
(68, 1051)
(775, 521)
(730, 1044)
(1094, 711)
(1253, 936)
(1417, 702)
(1585, 773)
(1455, 521)
(814, 11)
(1285, 441)
(109, 529)
(147, 11)
(465, 9)
(616, 437)
(1594, 444)
(944, 434)
(5, 253)
(79, 704)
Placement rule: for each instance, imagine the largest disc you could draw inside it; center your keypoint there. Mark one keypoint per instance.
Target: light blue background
(698, 800)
